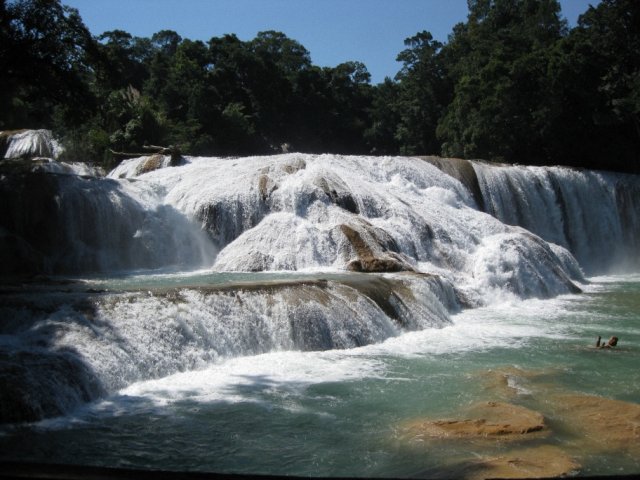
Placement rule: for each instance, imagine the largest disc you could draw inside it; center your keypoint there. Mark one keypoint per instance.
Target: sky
(333, 31)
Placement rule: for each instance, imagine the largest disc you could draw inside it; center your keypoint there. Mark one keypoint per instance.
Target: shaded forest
(512, 84)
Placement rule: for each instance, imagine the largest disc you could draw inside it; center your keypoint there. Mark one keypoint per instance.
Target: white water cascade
(306, 212)
(32, 143)
(294, 252)
(592, 214)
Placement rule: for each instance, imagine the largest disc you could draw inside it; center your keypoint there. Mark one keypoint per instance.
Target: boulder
(152, 162)
(372, 258)
(266, 186)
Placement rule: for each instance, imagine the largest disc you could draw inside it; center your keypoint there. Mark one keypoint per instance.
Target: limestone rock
(338, 193)
(153, 162)
(372, 257)
(487, 420)
(605, 424)
(462, 170)
(539, 462)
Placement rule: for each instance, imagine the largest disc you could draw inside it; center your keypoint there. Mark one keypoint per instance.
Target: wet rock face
(370, 261)
(54, 223)
(461, 170)
(5, 140)
(338, 193)
(153, 162)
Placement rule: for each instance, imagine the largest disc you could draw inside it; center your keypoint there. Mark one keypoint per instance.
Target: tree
(423, 95)
(275, 47)
(385, 117)
(125, 60)
(596, 74)
(498, 63)
(45, 52)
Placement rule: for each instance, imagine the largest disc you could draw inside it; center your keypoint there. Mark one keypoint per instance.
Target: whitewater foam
(294, 213)
(33, 143)
(510, 325)
(287, 212)
(586, 212)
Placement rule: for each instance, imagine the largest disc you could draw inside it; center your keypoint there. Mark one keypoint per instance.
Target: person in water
(613, 341)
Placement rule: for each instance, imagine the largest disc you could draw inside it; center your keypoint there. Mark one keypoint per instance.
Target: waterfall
(296, 251)
(53, 223)
(303, 212)
(61, 350)
(592, 214)
(29, 143)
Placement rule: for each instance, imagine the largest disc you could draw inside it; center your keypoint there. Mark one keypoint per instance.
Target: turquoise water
(343, 413)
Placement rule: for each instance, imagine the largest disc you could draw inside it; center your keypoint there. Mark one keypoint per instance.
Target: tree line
(513, 84)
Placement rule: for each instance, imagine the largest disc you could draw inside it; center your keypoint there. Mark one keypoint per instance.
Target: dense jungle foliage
(512, 84)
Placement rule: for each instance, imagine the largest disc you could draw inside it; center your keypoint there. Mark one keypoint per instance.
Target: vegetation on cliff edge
(513, 83)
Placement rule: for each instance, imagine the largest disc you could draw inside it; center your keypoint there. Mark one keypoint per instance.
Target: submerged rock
(509, 382)
(598, 423)
(544, 461)
(602, 423)
(487, 420)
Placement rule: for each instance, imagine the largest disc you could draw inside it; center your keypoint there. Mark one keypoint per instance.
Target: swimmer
(613, 341)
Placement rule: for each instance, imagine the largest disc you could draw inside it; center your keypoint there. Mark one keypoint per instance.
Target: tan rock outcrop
(153, 162)
(544, 461)
(487, 419)
(368, 260)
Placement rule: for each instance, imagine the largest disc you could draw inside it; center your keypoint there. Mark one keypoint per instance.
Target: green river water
(343, 413)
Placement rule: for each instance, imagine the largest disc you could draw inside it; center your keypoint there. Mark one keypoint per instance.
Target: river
(320, 315)
(343, 412)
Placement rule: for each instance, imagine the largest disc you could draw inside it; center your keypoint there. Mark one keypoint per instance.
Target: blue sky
(334, 31)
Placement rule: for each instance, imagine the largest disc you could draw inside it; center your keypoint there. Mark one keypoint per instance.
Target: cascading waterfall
(587, 212)
(300, 212)
(297, 252)
(30, 143)
(84, 344)
(88, 224)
